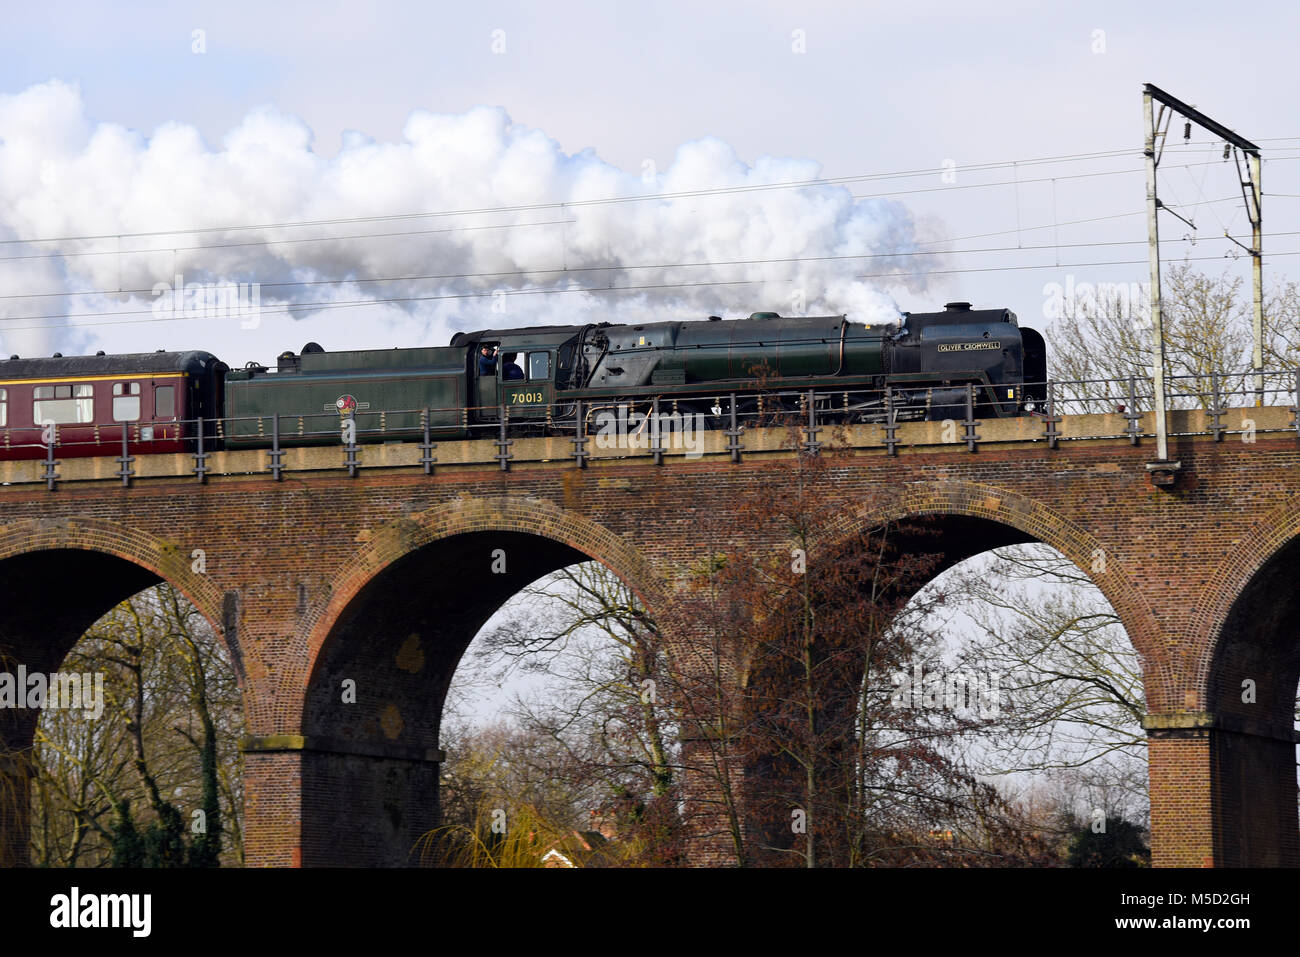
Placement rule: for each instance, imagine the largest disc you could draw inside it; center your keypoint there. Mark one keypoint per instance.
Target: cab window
(565, 363)
(126, 401)
(63, 404)
(4, 408)
(487, 365)
(164, 402)
(539, 365)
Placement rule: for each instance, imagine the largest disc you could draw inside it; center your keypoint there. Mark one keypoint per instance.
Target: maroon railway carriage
(84, 402)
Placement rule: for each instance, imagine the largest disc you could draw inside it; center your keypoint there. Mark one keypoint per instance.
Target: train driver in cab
(487, 361)
(511, 369)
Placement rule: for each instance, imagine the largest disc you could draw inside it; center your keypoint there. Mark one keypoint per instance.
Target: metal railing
(657, 427)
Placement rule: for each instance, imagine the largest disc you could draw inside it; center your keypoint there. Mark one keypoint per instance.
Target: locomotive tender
(542, 376)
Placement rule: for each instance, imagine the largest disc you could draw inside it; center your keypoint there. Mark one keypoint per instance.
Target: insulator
(1187, 131)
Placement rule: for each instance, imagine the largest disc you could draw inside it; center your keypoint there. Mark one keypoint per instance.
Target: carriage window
(126, 401)
(4, 408)
(539, 365)
(63, 404)
(164, 402)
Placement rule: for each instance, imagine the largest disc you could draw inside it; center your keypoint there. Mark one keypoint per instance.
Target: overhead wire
(637, 198)
(288, 308)
(646, 197)
(504, 274)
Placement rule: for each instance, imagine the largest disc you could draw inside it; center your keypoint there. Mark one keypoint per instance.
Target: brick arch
(975, 500)
(1265, 539)
(466, 515)
(401, 612)
(106, 562)
(1242, 623)
(168, 560)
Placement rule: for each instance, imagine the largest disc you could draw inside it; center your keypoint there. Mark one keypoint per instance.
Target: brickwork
(298, 573)
(1182, 821)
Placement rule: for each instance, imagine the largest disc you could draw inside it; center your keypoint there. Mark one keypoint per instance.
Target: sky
(381, 124)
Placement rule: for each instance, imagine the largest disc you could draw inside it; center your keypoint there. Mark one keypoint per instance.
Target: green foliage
(164, 839)
(161, 844)
(126, 843)
(1120, 844)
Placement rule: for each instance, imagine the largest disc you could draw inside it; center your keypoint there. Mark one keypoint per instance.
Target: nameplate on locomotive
(969, 346)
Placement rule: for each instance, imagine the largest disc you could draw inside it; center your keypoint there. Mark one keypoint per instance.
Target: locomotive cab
(527, 386)
(529, 365)
(522, 382)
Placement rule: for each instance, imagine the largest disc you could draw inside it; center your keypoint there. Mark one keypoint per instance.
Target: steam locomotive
(538, 380)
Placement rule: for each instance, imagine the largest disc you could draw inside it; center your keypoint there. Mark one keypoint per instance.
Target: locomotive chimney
(957, 307)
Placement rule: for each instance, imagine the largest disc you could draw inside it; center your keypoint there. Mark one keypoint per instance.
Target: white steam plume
(61, 175)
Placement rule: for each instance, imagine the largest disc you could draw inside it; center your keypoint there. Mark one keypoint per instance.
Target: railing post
(1132, 414)
(656, 435)
(124, 460)
(891, 422)
(1216, 408)
(200, 457)
(1052, 419)
(51, 476)
(427, 447)
(972, 440)
(503, 444)
(733, 433)
(579, 439)
(350, 446)
(276, 455)
(811, 445)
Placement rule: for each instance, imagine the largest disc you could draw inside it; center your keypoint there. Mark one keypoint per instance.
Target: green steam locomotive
(537, 379)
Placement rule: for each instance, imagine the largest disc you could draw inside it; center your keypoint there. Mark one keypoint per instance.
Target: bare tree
(1074, 680)
(838, 769)
(165, 742)
(598, 731)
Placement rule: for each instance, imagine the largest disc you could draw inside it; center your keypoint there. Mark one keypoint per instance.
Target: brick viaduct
(384, 578)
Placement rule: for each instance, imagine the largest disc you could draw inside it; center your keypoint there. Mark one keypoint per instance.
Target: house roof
(579, 849)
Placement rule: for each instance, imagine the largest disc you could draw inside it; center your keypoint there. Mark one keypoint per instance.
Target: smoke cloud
(516, 215)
